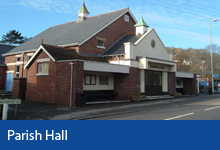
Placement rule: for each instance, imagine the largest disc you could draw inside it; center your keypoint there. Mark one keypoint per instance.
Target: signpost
(208, 72)
(5, 103)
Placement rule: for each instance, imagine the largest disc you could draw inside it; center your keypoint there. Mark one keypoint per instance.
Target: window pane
(159, 80)
(100, 43)
(146, 79)
(18, 59)
(103, 80)
(17, 68)
(40, 65)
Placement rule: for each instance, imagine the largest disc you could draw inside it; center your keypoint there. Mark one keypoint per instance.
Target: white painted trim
(30, 54)
(128, 10)
(184, 75)
(38, 50)
(42, 74)
(43, 60)
(105, 67)
(17, 55)
(102, 47)
(16, 63)
(11, 71)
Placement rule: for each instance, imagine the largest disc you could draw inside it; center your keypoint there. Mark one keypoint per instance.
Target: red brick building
(3, 76)
(110, 56)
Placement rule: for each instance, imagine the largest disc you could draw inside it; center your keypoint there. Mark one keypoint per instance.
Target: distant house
(187, 62)
(4, 49)
(109, 56)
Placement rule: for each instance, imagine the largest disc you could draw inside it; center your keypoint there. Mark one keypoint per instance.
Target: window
(90, 80)
(18, 59)
(29, 57)
(17, 71)
(100, 43)
(126, 18)
(43, 68)
(103, 80)
(178, 82)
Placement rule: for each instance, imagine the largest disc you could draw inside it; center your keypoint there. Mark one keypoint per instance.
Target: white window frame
(18, 58)
(126, 18)
(41, 64)
(102, 45)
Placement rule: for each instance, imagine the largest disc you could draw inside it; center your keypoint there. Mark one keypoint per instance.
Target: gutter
(8, 54)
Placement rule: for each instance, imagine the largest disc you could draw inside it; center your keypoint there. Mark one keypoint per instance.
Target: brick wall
(2, 77)
(189, 85)
(19, 88)
(171, 82)
(111, 34)
(63, 82)
(126, 85)
(41, 88)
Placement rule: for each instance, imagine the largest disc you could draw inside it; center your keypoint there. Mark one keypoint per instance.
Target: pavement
(43, 111)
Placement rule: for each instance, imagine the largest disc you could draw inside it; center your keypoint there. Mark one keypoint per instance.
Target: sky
(179, 23)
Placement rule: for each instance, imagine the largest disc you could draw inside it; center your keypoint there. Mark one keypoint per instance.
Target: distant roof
(4, 49)
(72, 32)
(118, 47)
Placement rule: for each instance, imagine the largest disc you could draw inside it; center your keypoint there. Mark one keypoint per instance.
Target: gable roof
(72, 33)
(118, 47)
(62, 54)
(4, 49)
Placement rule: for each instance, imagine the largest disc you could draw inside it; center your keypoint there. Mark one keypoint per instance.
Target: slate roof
(4, 49)
(60, 53)
(118, 47)
(72, 32)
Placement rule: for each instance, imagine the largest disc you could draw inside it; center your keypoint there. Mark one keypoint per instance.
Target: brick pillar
(171, 82)
(2, 77)
(78, 75)
(189, 85)
(19, 88)
(126, 85)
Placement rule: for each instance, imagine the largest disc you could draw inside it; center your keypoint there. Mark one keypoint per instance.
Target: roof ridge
(90, 17)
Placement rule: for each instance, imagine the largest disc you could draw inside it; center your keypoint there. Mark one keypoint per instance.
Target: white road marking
(212, 108)
(180, 116)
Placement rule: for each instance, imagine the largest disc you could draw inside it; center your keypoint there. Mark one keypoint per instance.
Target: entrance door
(153, 83)
(9, 81)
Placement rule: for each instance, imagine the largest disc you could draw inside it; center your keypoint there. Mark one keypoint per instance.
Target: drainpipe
(23, 66)
(71, 85)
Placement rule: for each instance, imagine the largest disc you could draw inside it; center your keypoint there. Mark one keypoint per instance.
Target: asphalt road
(204, 110)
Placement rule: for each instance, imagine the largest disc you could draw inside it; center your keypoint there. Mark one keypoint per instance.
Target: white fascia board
(105, 67)
(38, 50)
(184, 75)
(107, 26)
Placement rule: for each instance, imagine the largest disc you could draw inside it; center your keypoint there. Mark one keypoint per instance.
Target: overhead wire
(186, 10)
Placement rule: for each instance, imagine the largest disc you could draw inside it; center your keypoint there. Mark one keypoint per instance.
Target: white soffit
(184, 75)
(105, 67)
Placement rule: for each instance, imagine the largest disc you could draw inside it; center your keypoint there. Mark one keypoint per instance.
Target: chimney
(141, 27)
(83, 13)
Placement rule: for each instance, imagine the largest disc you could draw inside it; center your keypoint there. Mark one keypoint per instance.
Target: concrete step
(5, 93)
(159, 97)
